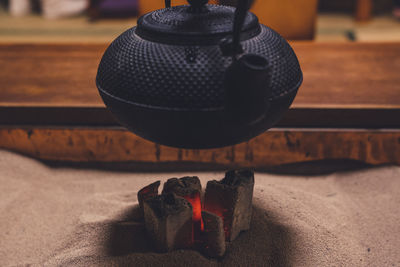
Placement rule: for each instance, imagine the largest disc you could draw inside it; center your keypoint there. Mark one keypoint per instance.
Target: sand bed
(65, 216)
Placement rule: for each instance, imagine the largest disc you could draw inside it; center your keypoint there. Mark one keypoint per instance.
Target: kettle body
(183, 88)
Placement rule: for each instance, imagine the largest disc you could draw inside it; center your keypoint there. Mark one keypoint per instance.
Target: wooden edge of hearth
(275, 147)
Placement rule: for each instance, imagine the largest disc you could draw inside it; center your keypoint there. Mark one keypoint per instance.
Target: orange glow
(223, 213)
(198, 225)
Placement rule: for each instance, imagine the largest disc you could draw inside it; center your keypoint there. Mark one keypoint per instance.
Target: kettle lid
(185, 25)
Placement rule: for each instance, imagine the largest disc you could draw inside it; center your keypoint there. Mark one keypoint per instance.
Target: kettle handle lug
(242, 8)
(230, 46)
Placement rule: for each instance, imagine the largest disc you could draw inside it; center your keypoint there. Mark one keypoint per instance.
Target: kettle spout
(247, 89)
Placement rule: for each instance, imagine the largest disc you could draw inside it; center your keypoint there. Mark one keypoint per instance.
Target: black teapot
(199, 76)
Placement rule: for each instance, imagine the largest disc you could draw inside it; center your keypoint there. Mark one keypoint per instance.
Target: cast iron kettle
(199, 76)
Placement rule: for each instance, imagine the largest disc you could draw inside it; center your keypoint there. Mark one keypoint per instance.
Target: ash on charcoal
(213, 235)
(231, 198)
(190, 189)
(185, 186)
(147, 192)
(168, 221)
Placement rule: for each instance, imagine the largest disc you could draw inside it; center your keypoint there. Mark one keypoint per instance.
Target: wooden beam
(295, 20)
(336, 75)
(364, 10)
(275, 147)
(345, 85)
(294, 117)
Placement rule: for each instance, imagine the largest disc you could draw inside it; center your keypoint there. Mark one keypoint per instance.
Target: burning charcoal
(147, 192)
(168, 221)
(190, 189)
(213, 235)
(231, 198)
(183, 187)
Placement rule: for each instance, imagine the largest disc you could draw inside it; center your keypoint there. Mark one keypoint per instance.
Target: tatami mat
(35, 29)
(336, 27)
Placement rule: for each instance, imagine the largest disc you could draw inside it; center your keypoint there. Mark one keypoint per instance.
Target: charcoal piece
(190, 189)
(147, 192)
(168, 221)
(185, 186)
(231, 198)
(213, 235)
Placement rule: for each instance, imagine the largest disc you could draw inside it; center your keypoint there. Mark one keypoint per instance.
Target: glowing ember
(231, 198)
(190, 189)
(213, 235)
(225, 213)
(198, 225)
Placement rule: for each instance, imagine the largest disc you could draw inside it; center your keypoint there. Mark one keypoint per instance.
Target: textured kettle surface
(177, 85)
(167, 76)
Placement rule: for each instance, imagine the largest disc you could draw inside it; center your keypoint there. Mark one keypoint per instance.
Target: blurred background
(99, 21)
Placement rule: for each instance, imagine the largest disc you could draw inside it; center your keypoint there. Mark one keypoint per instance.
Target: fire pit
(181, 218)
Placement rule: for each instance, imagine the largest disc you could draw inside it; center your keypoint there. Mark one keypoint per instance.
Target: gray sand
(64, 216)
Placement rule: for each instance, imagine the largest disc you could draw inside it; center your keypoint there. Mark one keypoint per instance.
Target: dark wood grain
(344, 85)
(49, 75)
(355, 75)
(279, 146)
(349, 75)
(355, 79)
(52, 88)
